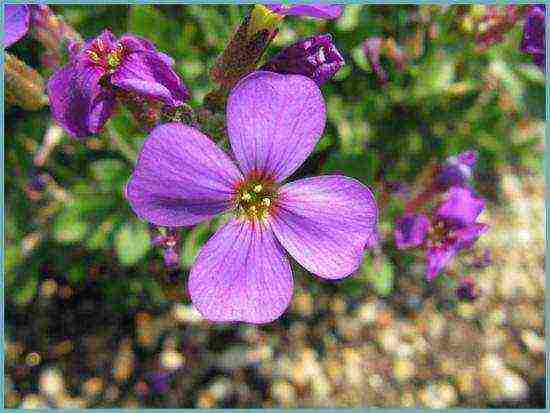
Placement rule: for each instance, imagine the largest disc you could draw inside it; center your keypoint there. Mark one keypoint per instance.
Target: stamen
(92, 55)
(258, 188)
(246, 197)
(266, 202)
(113, 59)
(253, 209)
(100, 45)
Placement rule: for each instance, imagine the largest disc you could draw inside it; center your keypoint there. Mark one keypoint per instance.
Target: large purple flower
(319, 11)
(315, 57)
(16, 23)
(83, 93)
(242, 273)
(533, 35)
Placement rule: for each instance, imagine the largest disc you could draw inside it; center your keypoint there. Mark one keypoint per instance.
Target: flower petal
(274, 122)
(460, 208)
(16, 23)
(77, 100)
(325, 223)
(133, 43)
(181, 177)
(241, 274)
(437, 259)
(411, 230)
(320, 11)
(466, 237)
(148, 73)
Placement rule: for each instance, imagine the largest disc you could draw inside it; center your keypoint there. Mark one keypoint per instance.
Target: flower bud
(315, 57)
(246, 47)
(24, 85)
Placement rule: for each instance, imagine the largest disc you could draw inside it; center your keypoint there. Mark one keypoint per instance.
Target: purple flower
(83, 93)
(242, 273)
(319, 11)
(455, 229)
(411, 230)
(16, 23)
(315, 57)
(533, 35)
(457, 171)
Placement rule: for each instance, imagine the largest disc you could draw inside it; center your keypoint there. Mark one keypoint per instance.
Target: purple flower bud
(533, 35)
(169, 241)
(315, 57)
(319, 11)
(372, 48)
(411, 230)
(457, 170)
(171, 257)
(467, 289)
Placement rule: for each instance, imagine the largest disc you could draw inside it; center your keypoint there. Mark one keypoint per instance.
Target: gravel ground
(406, 350)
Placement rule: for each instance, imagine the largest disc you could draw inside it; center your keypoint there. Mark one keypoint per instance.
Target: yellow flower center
(255, 198)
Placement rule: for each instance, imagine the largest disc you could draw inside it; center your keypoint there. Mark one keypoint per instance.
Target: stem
(118, 143)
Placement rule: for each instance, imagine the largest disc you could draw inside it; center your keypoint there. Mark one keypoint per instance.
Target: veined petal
(241, 274)
(274, 122)
(77, 100)
(148, 74)
(181, 178)
(16, 22)
(325, 223)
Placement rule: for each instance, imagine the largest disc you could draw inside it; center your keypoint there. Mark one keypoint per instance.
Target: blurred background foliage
(67, 220)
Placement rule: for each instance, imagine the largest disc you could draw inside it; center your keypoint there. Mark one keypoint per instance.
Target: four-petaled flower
(452, 229)
(324, 223)
(83, 93)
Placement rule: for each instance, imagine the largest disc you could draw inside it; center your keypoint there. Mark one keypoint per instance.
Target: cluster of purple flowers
(451, 226)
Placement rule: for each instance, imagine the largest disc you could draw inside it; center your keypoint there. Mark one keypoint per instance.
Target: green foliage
(132, 242)
(448, 98)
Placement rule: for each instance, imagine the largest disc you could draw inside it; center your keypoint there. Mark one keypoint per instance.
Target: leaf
(380, 273)
(132, 243)
(68, 226)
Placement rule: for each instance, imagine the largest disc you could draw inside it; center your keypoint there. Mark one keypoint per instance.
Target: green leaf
(68, 226)
(380, 273)
(132, 243)
(26, 293)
